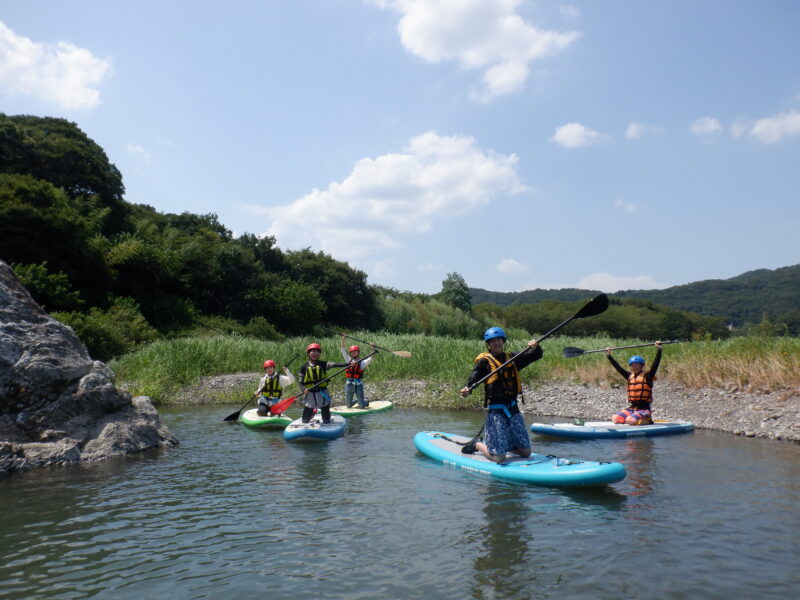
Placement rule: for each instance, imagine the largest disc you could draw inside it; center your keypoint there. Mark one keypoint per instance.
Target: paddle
(571, 352)
(235, 415)
(594, 307)
(328, 378)
(400, 353)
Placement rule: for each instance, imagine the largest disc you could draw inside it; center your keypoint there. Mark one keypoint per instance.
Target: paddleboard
(315, 429)
(251, 418)
(592, 430)
(354, 411)
(536, 469)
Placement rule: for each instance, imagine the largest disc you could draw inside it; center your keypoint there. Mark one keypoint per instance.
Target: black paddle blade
(571, 352)
(594, 307)
(232, 416)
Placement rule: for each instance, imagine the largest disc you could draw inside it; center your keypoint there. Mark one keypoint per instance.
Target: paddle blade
(402, 353)
(594, 307)
(233, 416)
(281, 406)
(571, 352)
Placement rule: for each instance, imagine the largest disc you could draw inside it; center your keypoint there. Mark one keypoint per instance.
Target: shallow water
(235, 513)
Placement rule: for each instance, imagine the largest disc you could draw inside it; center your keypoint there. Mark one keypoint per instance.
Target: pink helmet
(354, 348)
(269, 363)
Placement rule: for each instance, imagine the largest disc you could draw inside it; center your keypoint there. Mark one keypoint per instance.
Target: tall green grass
(165, 366)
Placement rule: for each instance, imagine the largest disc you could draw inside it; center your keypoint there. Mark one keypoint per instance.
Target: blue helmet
(636, 359)
(494, 332)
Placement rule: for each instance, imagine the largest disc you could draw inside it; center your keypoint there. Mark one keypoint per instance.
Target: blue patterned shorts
(505, 433)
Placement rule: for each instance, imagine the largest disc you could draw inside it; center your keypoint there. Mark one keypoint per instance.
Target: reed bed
(161, 369)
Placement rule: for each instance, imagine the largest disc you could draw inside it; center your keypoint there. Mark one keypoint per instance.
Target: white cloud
(430, 267)
(59, 73)
(636, 130)
(626, 206)
(769, 130)
(137, 150)
(484, 35)
(511, 266)
(606, 282)
(575, 135)
(705, 126)
(436, 177)
(570, 12)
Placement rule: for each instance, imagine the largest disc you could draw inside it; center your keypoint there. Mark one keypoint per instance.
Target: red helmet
(354, 348)
(314, 346)
(269, 363)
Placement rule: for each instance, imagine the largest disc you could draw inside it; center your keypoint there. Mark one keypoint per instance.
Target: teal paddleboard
(315, 429)
(593, 430)
(537, 469)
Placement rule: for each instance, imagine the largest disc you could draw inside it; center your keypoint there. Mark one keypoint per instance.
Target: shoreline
(773, 415)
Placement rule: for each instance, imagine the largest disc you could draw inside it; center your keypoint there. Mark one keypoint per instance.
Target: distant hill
(745, 298)
(480, 296)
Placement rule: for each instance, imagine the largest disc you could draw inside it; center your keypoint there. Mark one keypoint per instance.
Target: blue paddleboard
(315, 429)
(536, 469)
(592, 430)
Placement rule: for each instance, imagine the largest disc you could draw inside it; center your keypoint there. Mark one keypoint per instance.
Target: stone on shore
(57, 405)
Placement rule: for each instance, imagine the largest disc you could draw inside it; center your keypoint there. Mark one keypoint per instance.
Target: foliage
(107, 333)
(52, 291)
(455, 292)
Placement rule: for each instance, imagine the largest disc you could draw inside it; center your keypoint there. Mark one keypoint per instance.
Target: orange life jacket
(639, 390)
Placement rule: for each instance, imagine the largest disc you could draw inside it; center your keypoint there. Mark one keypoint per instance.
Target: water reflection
(503, 553)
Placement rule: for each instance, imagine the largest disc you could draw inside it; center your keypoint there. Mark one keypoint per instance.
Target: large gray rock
(57, 405)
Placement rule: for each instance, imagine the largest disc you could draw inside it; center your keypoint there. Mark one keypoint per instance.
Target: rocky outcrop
(57, 405)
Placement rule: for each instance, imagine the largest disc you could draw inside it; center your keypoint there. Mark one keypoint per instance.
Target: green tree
(52, 291)
(455, 292)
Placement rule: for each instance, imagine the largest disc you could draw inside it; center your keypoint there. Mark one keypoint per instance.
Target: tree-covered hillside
(743, 299)
(740, 301)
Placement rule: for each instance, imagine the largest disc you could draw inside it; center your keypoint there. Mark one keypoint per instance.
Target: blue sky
(596, 144)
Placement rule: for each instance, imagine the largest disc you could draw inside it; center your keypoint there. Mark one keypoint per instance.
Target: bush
(113, 332)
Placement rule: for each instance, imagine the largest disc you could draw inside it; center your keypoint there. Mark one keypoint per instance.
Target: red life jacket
(354, 370)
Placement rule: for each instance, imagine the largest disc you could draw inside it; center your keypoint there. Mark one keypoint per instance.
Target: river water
(234, 513)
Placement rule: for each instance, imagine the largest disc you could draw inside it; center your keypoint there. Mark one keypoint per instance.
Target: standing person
(505, 426)
(640, 389)
(354, 383)
(315, 394)
(271, 387)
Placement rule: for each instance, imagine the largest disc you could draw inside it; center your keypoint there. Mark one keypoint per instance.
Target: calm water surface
(234, 513)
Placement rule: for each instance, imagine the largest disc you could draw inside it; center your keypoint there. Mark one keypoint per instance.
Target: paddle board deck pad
(354, 411)
(592, 430)
(536, 469)
(315, 429)
(251, 418)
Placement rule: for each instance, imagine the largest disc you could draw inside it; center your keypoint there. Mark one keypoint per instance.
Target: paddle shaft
(284, 404)
(626, 347)
(577, 315)
(355, 339)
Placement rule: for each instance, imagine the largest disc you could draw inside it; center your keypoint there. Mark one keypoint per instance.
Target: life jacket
(354, 370)
(508, 380)
(272, 388)
(314, 374)
(640, 391)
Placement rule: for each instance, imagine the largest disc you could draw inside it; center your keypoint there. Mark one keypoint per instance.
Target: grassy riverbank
(161, 369)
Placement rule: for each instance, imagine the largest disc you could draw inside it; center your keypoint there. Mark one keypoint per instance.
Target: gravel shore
(774, 415)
